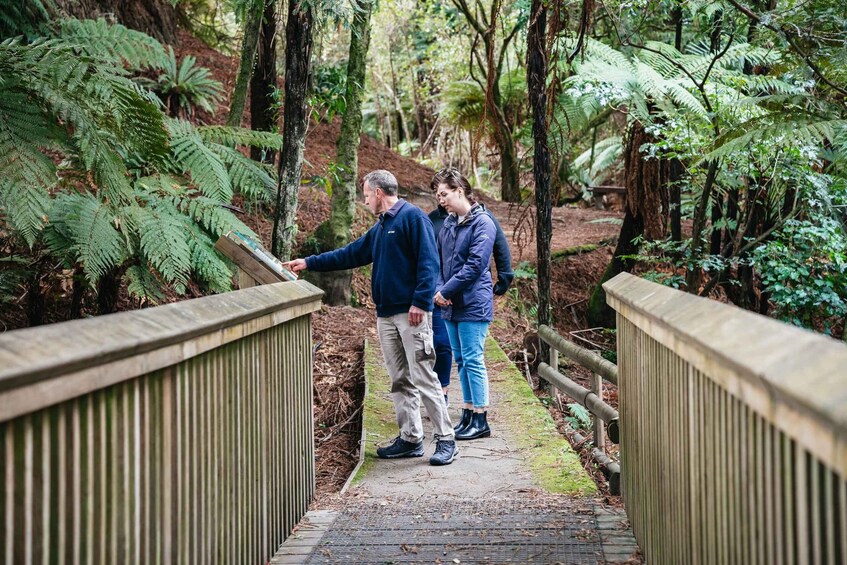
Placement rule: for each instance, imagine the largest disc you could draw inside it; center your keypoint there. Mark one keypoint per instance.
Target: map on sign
(263, 255)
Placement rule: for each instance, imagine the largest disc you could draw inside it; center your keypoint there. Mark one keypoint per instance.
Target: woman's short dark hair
(455, 180)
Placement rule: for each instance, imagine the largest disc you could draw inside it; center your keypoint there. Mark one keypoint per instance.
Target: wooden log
(611, 469)
(583, 396)
(584, 357)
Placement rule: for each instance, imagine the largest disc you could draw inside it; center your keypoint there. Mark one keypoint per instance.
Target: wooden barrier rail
(733, 431)
(176, 434)
(591, 400)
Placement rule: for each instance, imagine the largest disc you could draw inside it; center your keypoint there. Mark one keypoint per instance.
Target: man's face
(372, 198)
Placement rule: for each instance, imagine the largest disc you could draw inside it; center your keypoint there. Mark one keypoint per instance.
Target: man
(401, 247)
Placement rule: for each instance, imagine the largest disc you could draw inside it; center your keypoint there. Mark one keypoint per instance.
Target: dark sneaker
(445, 452)
(399, 447)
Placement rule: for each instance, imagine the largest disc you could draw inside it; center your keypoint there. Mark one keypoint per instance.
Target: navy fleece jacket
(401, 247)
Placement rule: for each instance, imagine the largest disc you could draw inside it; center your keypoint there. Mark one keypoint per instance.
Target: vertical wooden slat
(206, 461)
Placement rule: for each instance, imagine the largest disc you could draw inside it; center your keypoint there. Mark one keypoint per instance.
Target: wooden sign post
(256, 265)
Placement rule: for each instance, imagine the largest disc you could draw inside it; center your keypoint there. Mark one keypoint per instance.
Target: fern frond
(111, 42)
(208, 265)
(684, 99)
(161, 232)
(190, 154)
(89, 226)
(599, 50)
(232, 136)
(26, 174)
(790, 129)
(142, 284)
(463, 104)
(250, 178)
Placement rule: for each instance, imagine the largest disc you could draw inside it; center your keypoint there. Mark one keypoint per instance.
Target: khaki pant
(409, 357)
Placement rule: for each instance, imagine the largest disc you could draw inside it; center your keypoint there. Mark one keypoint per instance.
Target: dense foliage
(94, 176)
(725, 121)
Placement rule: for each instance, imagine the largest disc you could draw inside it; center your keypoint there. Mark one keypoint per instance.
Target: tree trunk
(108, 288)
(298, 51)
(34, 297)
(677, 169)
(252, 27)
(263, 85)
(715, 244)
(599, 313)
(536, 78)
(154, 17)
(78, 293)
(510, 186)
(646, 214)
(337, 231)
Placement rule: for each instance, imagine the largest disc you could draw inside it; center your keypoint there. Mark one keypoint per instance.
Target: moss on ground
(552, 462)
(378, 418)
(551, 459)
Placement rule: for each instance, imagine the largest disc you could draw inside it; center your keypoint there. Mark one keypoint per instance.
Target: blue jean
(468, 342)
(443, 349)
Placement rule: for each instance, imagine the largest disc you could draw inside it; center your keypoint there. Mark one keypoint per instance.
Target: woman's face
(451, 200)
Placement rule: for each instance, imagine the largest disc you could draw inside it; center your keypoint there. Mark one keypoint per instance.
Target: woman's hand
(441, 301)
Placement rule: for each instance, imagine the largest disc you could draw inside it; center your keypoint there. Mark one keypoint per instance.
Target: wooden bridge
(184, 434)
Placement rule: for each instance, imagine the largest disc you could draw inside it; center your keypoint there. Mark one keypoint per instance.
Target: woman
(503, 263)
(465, 294)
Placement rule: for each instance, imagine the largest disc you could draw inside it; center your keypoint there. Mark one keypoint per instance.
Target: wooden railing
(733, 431)
(591, 400)
(176, 434)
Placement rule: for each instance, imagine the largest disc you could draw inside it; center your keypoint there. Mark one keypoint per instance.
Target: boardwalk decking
(499, 502)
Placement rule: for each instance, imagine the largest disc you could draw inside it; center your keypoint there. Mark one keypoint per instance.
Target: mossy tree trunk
(337, 231)
(298, 52)
(536, 79)
(263, 84)
(252, 27)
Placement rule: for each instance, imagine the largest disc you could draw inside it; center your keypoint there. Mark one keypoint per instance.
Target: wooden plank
(245, 261)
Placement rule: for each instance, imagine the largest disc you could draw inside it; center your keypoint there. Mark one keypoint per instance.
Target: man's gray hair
(383, 180)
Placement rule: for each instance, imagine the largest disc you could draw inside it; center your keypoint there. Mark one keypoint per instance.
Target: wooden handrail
(176, 434)
(582, 356)
(591, 400)
(735, 425)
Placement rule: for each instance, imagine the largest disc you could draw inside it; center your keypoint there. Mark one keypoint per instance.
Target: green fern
(112, 43)
(87, 227)
(58, 97)
(189, 153)
(184, 85)
(232, 136)
(788, 128)
(142, 284)
(19, 17)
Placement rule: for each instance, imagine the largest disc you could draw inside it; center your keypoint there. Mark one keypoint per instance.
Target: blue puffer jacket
(465, 274)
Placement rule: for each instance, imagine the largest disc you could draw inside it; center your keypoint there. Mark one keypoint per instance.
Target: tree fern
(191, 155)
(26, 174)
(784, 128)
(250, 178)
(88, 226)
(141, 283)
(232, 136)
(112, 43)
(162, 242)
(60, 101)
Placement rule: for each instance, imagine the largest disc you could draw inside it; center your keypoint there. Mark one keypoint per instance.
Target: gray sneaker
(399, 447)
(445, 452)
